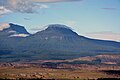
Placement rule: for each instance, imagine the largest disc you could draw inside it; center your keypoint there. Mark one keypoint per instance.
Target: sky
(83, 16)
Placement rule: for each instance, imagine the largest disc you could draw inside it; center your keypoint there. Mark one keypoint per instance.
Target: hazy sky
(84, 16)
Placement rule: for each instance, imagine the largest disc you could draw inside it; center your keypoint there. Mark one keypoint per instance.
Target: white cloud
(26, 6)
(108, 35)
(42, 6)
(4, 26)
(22, 6)
(3, 10)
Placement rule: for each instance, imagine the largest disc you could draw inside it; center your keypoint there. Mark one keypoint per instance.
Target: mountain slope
(62, 38)
(60, 42)
(57, 42)
(10, 30)
(10, 36)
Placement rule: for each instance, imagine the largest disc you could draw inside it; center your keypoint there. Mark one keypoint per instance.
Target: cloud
(36, 29)
(3, 11)
(22, 6)
(26, 6)
(107, 35)
(43, 6)
(53, 1)
(4, 26)
(109, 8)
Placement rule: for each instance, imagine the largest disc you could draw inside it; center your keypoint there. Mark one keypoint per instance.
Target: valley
(62, 72)
(59, 69)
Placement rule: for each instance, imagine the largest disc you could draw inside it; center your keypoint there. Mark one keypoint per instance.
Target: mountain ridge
(55, 42)
(14, 30)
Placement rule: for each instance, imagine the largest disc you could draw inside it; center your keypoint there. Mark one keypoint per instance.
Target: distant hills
(104, 59)
(55, 42)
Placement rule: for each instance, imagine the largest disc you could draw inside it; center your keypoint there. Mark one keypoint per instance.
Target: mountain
(13, 30)
(55, 42)
(10, 36)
